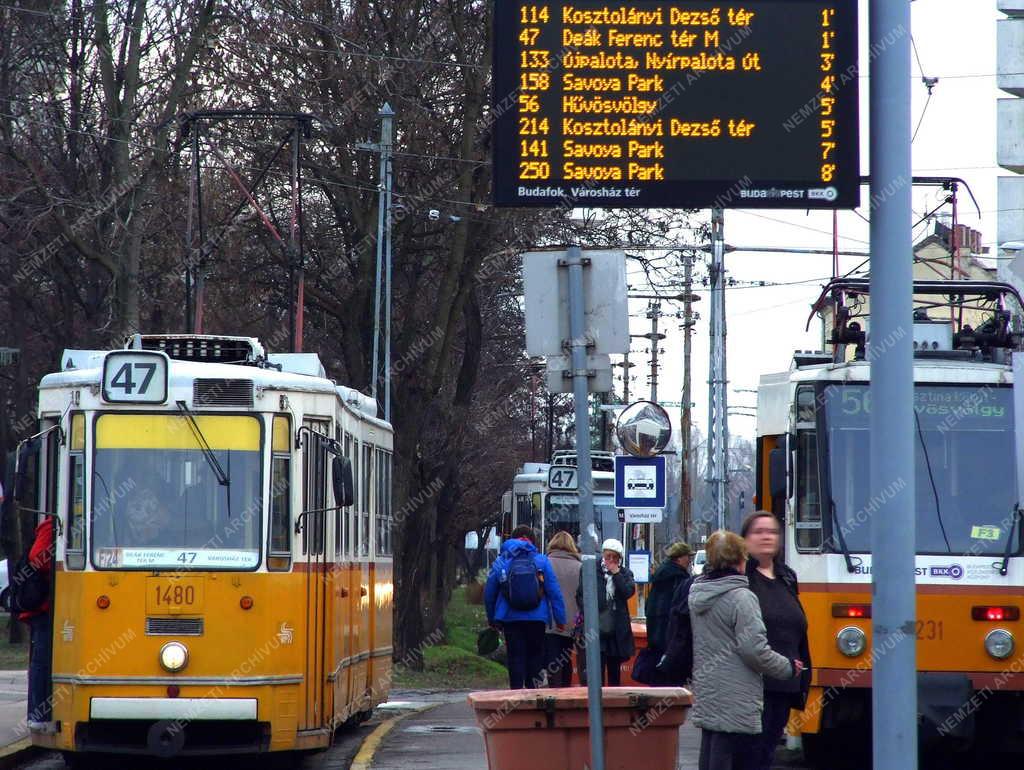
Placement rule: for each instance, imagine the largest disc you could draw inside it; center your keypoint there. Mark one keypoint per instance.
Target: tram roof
(297, 375)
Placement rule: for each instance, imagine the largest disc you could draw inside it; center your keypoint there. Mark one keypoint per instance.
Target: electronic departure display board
(676, 104)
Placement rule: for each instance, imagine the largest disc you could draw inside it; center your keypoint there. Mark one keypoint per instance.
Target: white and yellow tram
(223, 571)
(813, 444)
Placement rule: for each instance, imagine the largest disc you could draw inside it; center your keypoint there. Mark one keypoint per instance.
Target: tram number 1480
(175, 594)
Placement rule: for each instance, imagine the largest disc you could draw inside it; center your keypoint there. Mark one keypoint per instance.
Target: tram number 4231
(929, 630)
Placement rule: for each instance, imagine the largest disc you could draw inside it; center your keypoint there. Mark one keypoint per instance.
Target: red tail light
(851, 610)
(995, 613)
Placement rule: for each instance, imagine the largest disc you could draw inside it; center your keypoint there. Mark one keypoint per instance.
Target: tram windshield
(964, 469)
(563, 513)
(160, 499)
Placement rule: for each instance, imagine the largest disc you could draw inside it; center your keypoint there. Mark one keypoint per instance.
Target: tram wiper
(840, 536)
(1009, 540)
(204, 446)
(931, 478)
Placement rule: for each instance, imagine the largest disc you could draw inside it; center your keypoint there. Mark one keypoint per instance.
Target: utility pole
(551, 427)
(654, 313)
(685, 500)
(718, 411)
(893, 435)
(382, 280)
(626, 366)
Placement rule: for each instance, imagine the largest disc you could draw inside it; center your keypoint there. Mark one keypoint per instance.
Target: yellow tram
(813, 445)
(223, 571)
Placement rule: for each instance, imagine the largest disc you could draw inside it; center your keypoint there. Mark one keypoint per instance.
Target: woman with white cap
(614, 587)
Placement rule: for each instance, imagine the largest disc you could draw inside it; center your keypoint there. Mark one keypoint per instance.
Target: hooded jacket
(498, 609)
(730, 654)
(664, 582)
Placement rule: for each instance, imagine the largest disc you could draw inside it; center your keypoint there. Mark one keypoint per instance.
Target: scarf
(609, 586)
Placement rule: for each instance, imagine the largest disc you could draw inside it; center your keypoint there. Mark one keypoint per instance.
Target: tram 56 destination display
(676, 104)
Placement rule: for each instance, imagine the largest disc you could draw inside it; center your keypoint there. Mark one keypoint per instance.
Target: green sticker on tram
(987, 532)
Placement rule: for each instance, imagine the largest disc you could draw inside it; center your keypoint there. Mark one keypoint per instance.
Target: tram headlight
(174, 656)
(999, 643)
(851, 641)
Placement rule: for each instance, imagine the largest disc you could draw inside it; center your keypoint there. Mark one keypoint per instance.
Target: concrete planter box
(548, 729)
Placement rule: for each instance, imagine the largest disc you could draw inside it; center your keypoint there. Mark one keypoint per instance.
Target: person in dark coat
(40, 621)
(676, 665)
(664, 582)
(614, 587)
(776, 588)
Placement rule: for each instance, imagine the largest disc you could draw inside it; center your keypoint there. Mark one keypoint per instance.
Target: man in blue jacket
(522, 596)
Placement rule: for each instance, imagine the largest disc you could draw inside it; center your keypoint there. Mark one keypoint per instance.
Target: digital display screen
(676, 104)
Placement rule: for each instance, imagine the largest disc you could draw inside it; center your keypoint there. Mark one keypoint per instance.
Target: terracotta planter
(548, 729)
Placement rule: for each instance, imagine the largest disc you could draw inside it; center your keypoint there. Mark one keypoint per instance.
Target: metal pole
(198, 279)
(577, 331)
(377, 275)
(718, 405)
(551, 427)
(293, 246)
(626, 366)
(894, 686)
(654, 313)
(190, 262)
(387, 116)
(685, 501)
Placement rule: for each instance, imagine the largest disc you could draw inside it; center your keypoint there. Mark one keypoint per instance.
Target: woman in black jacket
(777, 590)
(664, 582)
(614, 587)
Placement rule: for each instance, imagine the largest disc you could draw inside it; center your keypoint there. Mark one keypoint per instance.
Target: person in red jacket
(40, 623)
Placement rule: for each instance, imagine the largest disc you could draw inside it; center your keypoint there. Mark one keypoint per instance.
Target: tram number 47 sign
(135, 377)
(563, 477)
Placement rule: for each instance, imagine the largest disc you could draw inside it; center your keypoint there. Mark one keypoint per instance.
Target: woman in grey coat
(559, 645)
(730, 655)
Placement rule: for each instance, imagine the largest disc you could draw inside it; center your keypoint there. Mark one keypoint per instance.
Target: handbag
(606, 620)
(645, 667)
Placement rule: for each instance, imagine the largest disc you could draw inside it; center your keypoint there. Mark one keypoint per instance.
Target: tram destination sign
(676, 104)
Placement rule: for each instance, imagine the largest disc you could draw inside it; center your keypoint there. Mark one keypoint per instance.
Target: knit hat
(611, 544)
(676, 550)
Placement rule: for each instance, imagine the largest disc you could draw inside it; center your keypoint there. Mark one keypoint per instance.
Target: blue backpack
(523, 584)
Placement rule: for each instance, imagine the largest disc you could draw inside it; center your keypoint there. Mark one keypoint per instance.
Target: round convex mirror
(644, 429)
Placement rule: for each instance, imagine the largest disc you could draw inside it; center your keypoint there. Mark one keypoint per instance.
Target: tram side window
(74, 533)
(316, 491)
(808, 500)
(524, 511)
(364, 508)
(280, 549)
(352, 453)
(339, 513)
(383, 517)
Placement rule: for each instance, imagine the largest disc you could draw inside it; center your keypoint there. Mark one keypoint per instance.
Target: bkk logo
(954, 571)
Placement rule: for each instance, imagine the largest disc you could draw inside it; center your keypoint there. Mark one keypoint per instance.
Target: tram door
(314, 548)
